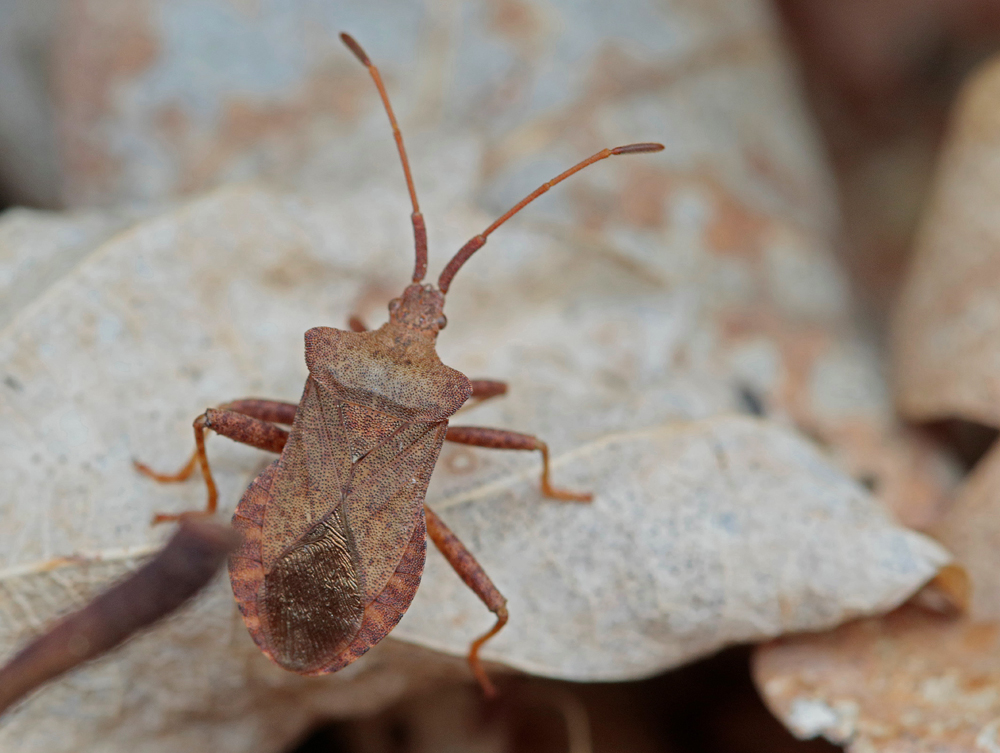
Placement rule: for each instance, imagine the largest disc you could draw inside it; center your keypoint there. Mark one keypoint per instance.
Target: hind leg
(250, 421)
(470, 571)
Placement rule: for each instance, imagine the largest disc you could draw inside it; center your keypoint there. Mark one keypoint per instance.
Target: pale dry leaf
(910, 682)
(913, 681)
(194, 682)
(157, 99)
(210, 301)
(700, 535)
(946, 361)
(37, 248)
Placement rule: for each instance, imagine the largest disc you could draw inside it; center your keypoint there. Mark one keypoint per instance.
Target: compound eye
(393, 305)
(442, 322)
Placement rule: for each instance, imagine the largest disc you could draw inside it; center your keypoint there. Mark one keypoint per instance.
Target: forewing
(382, 614)
(376, 464)
(386, 497)
(367, 429)
(311, 477)
(339, 513)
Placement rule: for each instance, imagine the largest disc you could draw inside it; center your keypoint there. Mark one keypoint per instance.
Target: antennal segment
(419, 228)
(478, 241)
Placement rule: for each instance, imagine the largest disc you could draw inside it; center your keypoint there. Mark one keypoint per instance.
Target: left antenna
(419, 228)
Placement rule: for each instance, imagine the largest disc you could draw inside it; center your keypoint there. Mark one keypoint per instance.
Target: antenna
(478, 241)
(419, 228)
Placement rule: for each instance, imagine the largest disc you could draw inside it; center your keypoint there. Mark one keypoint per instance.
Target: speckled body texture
(334, 534)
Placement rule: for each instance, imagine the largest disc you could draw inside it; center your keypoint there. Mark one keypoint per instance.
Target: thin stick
(419, 228)
(478, 241)
(187, 563)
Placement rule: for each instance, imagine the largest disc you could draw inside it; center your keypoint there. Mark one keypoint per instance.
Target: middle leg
(501, 439)
(484, 389)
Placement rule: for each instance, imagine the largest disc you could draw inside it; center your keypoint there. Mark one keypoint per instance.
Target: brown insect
(334, 530)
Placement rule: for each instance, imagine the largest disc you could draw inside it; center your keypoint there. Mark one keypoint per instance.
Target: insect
(334, 531)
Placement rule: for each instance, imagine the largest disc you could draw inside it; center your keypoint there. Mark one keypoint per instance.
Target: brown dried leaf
(971, 531)
(915, 681)
(947, 324)
(909, 682)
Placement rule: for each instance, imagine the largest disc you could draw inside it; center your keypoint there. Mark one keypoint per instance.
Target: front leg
(475, 577)
(501, 439)
(250, 421)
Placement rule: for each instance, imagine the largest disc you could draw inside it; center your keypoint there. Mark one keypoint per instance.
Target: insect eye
(442, 321)
(393, 304)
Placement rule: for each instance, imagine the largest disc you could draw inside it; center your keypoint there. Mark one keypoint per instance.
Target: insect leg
(266, 410)
(475, 577)
(484, 389)
(250, 421)
(501, 439)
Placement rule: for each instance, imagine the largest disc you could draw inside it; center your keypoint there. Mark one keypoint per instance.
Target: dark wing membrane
(382, 614)
(308, 608)
(312, 599)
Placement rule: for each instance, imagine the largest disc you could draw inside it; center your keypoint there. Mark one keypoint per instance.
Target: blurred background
(135, 105)
(879, 77)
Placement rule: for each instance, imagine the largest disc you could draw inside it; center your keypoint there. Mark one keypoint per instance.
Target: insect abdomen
(246, 573)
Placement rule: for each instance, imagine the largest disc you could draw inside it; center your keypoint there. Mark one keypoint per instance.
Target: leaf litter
(919, 680)
(706, 528)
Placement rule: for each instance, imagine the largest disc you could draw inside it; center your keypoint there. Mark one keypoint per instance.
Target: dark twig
(181, 569)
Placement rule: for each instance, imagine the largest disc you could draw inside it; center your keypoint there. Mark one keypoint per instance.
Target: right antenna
(478, 241)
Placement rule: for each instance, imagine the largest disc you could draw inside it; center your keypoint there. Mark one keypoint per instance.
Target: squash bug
(334, 531)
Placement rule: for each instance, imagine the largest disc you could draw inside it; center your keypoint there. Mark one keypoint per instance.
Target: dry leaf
(37, 248)
(912, 681)
(971, 531)
(947, 323)
(156, 99)
(702, 533)
(915, 681)
(195, 554)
